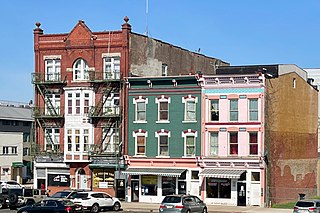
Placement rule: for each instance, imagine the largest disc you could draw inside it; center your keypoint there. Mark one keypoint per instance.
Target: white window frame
(54, 134)
(229, 143)
(54, 98)
(83, 132)
(186, 100)
(163, 99)
(212, 110)
(111, 143)
(232, 111)
(52, 69)
(112, 104)
(80, 70)
(137, 134)
(249, 142)
(213, 145)
(164, 70)
(189, 133)
(253, 110)
(160, 134)
(111, 69)
(78, 100)
(136, 101)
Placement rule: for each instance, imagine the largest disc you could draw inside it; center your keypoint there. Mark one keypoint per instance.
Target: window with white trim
(253, 143)
(233, 143)
(52, 69)
(80, 70)
(112, 67)
(233, 109)
(52, 139)
(78, 140)
(140, 137)
(163, 108)
(190, 108)
(112, 104)
(54, 107)
(253, 109)
(163, 142)
(140, 109)
(79, 102)
(111, 140)
(164, 70)
(214, 145)
(189, 143)
(214, 110)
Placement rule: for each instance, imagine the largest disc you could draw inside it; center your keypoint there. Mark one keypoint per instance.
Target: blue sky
(242, 32)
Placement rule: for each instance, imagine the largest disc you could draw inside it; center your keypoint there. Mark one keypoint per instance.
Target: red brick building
(80, 101)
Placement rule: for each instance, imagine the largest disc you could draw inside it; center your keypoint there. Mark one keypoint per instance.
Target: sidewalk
(154, 207)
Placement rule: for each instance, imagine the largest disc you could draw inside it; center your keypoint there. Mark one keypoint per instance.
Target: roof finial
(126, 19)
(38, 24)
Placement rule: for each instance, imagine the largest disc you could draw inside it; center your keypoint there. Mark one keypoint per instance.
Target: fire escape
(49, 117)
(106, 115)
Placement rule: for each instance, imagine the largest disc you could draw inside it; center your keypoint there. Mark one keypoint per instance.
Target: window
(163, 108)
(52, 139)
(233, 142)
(141, 145)
(52, 67)
(194, 175)
(14, 150)
(78, 140)
(111, 104)
(168, 185)
(6, 123)
(111, 142)
(233, 109)
(149, 184)
(218, 188)
(163, 145)
(5, 150)
(255, 176)
(54, 107)
(80, 70)
(79, 102)
(214, 146)
(164, 71)
(26, 151)
(112, 67)
(190, 108)
(214, 110)
(103, 176)
(190, 145)
(140, 109)
(26, 137)
(253, 141)
(253, 109)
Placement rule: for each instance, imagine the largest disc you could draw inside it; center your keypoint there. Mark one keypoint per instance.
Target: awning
(154, 171)
(222, 173)
(17, 164)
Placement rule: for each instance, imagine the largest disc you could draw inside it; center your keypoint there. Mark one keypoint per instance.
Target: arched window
(80, 70)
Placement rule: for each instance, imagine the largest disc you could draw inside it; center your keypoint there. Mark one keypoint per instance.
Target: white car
(96, 201)
(10, 184)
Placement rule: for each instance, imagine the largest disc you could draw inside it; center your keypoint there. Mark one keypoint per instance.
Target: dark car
(182, 204)
(64, 194)
(52, 206)
(307, 206)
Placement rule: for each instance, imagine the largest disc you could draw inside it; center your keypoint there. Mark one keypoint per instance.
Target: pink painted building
(232, 156)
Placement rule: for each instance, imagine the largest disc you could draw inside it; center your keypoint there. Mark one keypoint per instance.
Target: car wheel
(13, 198)
(188, 211)
(95, 208)
(204, 210)
(25, 211)
(116, 206)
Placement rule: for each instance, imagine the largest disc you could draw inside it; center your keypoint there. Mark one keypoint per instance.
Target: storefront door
(135, 191)
(241, 188)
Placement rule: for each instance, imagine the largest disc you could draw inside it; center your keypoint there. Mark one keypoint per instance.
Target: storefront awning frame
(168, 172)
(222, 173)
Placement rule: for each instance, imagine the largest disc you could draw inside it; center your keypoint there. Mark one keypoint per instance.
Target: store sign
(58, 180)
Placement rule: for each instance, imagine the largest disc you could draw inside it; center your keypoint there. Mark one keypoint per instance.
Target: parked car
(182, 204)
(64, 194)
(52, 206)
(307, 206)
(10, 184)
(16, 198)
(96, 201)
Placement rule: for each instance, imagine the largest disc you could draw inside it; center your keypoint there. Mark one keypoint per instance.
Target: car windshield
(304, 204)
(60, 194)
(172, 199)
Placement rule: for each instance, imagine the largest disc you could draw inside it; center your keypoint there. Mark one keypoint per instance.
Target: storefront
(152, 184)
(231, 187)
